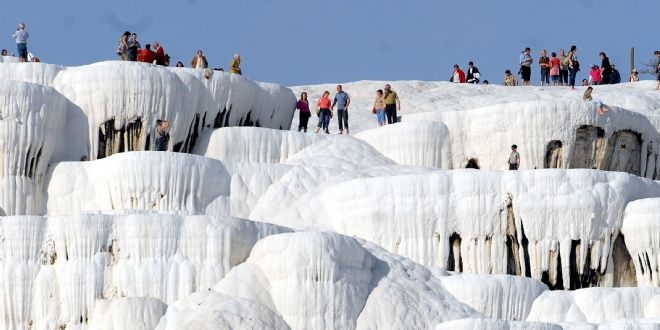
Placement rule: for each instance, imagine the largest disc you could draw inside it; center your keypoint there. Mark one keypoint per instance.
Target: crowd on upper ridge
(559, 69)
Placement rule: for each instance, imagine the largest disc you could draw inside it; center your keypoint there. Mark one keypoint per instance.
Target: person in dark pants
(303, 107)
(392, 104)
(342, 101)
(514, 158)
(605, 69)
(573, 66)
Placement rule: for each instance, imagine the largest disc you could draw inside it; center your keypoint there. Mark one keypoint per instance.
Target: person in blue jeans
(21, 38)
(342, 101)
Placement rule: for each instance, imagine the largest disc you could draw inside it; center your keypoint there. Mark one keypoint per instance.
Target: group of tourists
(559, 69)
(130, 49)
(385, 108)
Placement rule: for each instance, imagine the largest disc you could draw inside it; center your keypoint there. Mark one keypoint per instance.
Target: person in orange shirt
(323, 110)
(147, 55)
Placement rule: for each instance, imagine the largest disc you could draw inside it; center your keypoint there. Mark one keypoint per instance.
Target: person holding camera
(21, 38)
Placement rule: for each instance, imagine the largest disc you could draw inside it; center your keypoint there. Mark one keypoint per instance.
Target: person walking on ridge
(134, 48)
(122, 47)
(457, 76)
(573, 66)
(514, 158)
(392, 104)
(544, 63)
(473, 74)
(235, 65)
(563, 69)
(342, 101)
(323, 110)
(199, 61)
(379, 107)
(21, 37)
(526, 66)
(303, 107)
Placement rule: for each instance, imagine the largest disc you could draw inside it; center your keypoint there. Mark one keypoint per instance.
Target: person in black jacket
(472, 74)
(605, 69)
(615, 77)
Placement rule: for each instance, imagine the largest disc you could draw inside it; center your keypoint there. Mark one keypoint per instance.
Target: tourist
(21, 37)
(594, 75)
(472, 74)
(585, 82)
(526, 66)
(235, 65)
(342, 101)
(514, 158)
(555, 69)
(134, 48)
(563, 69)
(379, 107)
(457, 76)
(600, 107)
(510, 79)
(161, 134)
(633, 76)
(147, 55)
(485, 82)
(392, 104)
(303, 107)
(573, 66)
(122, 48)
(161, 59)
(323, 110)
(199, 61)
(179, 64)
(656, 68)
(615, 77)
(605, 69)
(544, 63)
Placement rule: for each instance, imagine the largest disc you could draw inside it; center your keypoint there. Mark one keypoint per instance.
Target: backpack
(576, 66)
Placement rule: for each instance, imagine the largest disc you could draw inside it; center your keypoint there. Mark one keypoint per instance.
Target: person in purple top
(303, 106)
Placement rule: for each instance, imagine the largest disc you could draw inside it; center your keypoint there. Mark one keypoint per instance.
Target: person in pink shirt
(555, 69)
(594, 75)
(323, 107)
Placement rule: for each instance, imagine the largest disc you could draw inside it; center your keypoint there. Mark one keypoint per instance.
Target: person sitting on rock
(601, 108)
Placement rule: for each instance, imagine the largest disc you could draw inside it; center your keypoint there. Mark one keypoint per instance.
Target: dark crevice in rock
(455, 261)
(472, 163)
(525, 246)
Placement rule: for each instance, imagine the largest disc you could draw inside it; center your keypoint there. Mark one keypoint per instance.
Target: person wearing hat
(633, 76)
(509, 79)
(21, 38)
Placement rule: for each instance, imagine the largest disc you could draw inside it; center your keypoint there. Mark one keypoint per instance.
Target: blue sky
(295, 42)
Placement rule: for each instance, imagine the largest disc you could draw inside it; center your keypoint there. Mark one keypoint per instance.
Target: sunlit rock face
(408, 226)
(32, 118)
(56, 270)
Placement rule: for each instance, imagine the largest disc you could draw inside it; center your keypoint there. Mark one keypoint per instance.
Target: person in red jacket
(147, 55)
(160, 54)
(458, 76)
